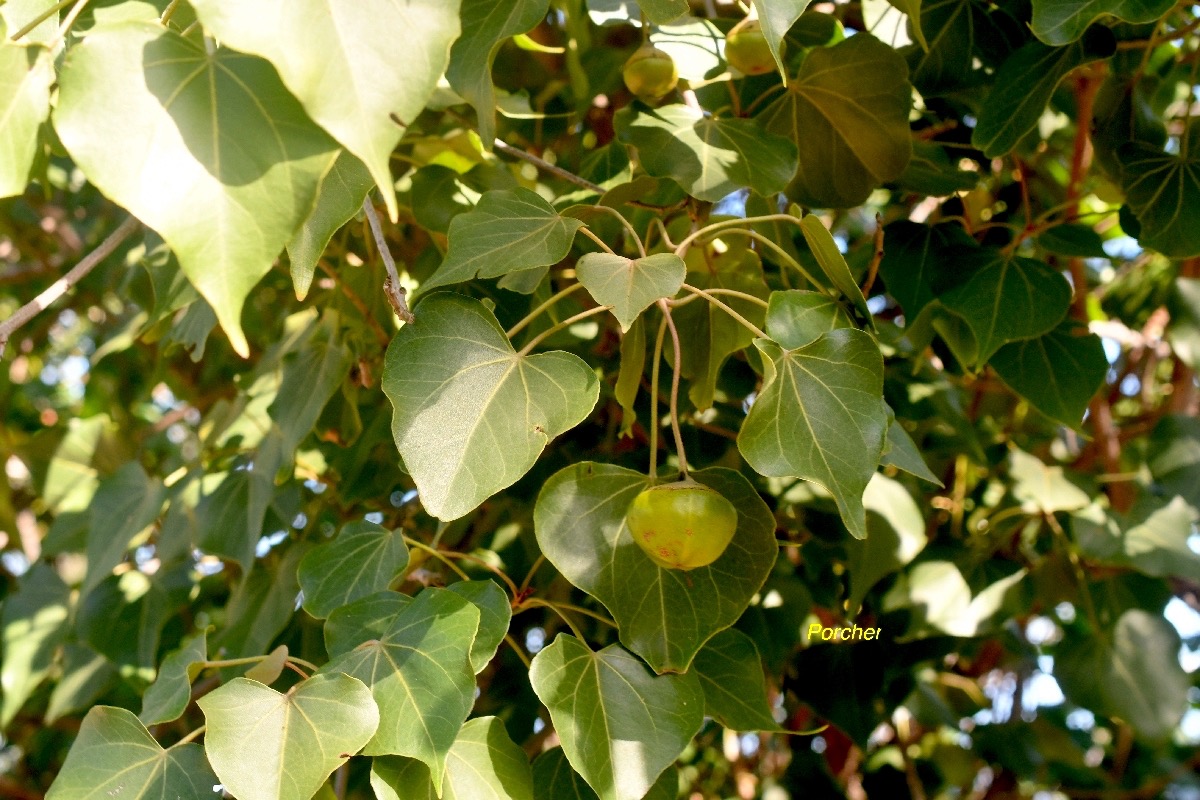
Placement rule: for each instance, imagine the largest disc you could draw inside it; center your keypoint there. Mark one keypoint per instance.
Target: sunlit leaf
(168, 696)
(124, 505)
(34, 620)
(895, 535)
(777, 17)
(115, 755)
(366, 618)
(137, 99)
(26, 74)
(265, 745)
(495, 613)
(555, 779)
(378, 60)
(471, 415)
(340, 197)
(620, 725)
(362, 560)
(796, 318)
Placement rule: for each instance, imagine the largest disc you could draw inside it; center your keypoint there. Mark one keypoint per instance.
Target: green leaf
(912, 9)
(915, 260)
(71, 479)
(123, 618)
(1162, 191)
(630, 285)
(711, 334)
(941, 603)
(261, 606)
(1058, 373)
(313, 371)
(620, 726)
(168, 696)
(819, 417)
(26, 74)
(376, 59)
(471, 415)
(34, 621)
(1023, 85)
(895, 536)
(264, 745)
(665, 615)
(1184, 329)
(507, 231)
(125, 504)
(362, 560)
(1174, 449)
(731, 676)
(270, 668)
(707, 156)
(776, 18)
(1073, 239)
(495, 614)
(1006, 299)
(554, 779)
(833, 263)
(86, 676)
(901, 451)
(115, 755)
(629, 376)
(1041, 488)
(796, 318)
(932, 172)
(366, 618)
(137, 99)
(694, 45)
(341, 195)
(1137, 678)
(1152, 538)
(483, 764)
(485, 26)
(847, 112)
(16, 14)
(1064, 21)
(420, 674)
(660, 12)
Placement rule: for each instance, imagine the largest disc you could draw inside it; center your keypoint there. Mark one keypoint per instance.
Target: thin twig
(40, 18)
(747, 324)
(603, 244)
(566, 323)
(876, 257)
(61, 286)
(654, 372)
(392, 289)
(546, 166)
(666, 310)
(532, 315)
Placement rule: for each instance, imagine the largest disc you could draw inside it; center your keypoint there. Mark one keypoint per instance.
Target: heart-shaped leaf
(1007, 298)
(420, 674)
(1057, 373)
(1161, 191)
(620, 726)
(114, 755)
(709, 157)
(362, 560)
(379, 62)
(168, 696)
(509, 230)
(630, 285)
(483, 764)
(796, 318)
(486, 24)
(138, 100)
(665, 615)
(776, 18)
(1061, 22)
(471, 415)
(26, 74)
(731, 675)
(847, 112)
(820, 417)
(265, 745)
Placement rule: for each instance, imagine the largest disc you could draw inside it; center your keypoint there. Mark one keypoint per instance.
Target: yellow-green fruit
(682, 525)
(746, 49)
(650, 74)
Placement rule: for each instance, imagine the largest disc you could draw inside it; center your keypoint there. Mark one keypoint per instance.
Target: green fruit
(746, 49)
(650, 74)
(682, 525)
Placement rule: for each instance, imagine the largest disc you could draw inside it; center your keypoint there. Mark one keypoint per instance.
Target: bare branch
(61, 286)
(546, 166)
(395, 292)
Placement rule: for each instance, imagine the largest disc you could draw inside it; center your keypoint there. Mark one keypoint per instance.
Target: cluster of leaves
(877, 278)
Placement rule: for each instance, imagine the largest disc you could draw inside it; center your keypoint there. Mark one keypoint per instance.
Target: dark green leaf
(1073, 239)
(554, 779)
(1064, 21)
(362, 560)
(124, 505)
(665, 615)
(123, 617)
(34, 625)
(1057, 373)
(167, 697)
(495, 613)
(796, 318)
(833, 263)
(731, 676)
(1163, 191)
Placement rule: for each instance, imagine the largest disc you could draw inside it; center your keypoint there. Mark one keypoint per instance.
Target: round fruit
(682, 525)
(746, 49)
(650, 74)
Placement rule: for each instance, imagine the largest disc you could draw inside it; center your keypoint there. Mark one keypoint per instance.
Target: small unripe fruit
(650, 74)
(746, 49)
(682, 525)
